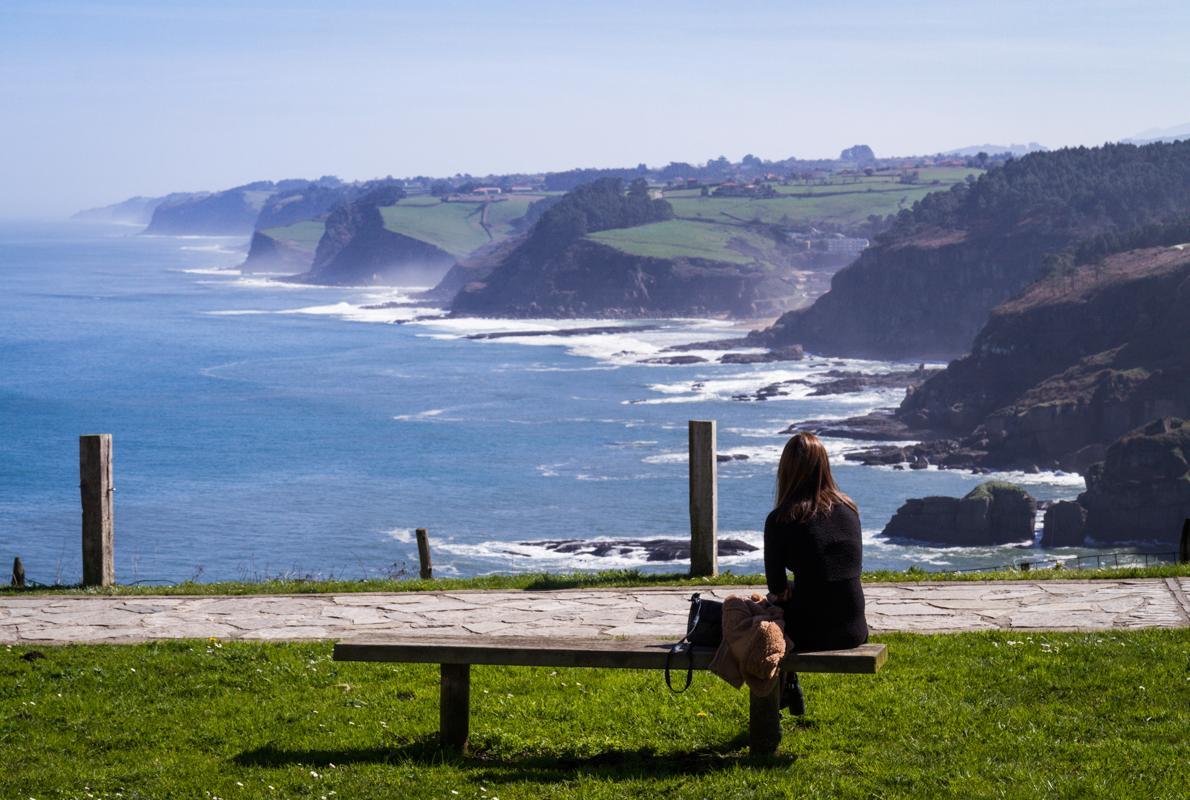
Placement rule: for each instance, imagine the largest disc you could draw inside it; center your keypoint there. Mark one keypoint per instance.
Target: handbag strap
(683, 646)
(680, 647)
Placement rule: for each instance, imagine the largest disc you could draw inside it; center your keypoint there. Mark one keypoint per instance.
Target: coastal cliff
(590, 279)
(227, 213)
(1075, 362)
(930, 283)
(277, 250)
(357, 249)
(607, 251)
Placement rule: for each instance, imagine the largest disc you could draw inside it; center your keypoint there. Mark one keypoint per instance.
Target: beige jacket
(753, 644)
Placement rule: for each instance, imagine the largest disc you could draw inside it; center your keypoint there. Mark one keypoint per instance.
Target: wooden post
(454, 709)
(18, 573)
(423, 554)
(704, 500)
(1184, 547)
(95, 485)
(764, 722)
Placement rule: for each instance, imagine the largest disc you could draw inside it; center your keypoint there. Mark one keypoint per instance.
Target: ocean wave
(230, 272)
(402, 535)
(525, 556)
(608, 348)
(211, 248)
(360, 313)
(1054, 478)
(429, 414)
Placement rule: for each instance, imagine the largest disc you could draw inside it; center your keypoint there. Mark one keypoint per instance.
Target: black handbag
(704, 628)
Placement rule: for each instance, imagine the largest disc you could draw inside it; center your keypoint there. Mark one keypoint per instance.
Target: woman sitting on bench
(814, 532)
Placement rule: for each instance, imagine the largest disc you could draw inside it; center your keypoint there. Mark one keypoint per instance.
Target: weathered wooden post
(1184, 547)
(423, 553)
(18, 573)
(95, 486)
(704, 499)
(454, 706)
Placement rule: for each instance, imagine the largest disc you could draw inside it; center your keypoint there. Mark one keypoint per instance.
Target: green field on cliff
(842, 200)
(682, 238)
(303, 235)
(454, 227)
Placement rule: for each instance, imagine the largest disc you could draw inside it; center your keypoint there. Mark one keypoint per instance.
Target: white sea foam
(358, 313)
(535, 556)
(429, 414)
(402, 535)
(211, 248)
(610, 349)
(229, 272)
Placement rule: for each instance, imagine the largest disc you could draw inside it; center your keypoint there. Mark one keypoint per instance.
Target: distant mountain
(1175, 133)
(133, 211)
(996, 149)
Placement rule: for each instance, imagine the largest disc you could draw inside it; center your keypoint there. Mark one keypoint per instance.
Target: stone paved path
(655, 612)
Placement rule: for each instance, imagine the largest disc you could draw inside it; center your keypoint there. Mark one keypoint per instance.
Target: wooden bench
(455, 655)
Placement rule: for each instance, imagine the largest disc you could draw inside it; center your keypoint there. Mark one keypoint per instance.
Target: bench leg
(764, 722)
(454, 709)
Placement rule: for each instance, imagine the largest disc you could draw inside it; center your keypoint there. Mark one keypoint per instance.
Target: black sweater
(826, 607)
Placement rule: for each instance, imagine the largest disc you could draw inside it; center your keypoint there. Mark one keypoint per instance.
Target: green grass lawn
(963, 715)
(300, 234)
(454, 227)
(619, 578)
(678, 238)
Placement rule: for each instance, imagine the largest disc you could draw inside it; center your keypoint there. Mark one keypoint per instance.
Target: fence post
(704, 499)
(95, 486)
(423, 554)
(1184, 547)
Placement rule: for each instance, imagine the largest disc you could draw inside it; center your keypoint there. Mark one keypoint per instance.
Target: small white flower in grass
(239, 784)
(313, 774)
(452, 791)
(132, 669)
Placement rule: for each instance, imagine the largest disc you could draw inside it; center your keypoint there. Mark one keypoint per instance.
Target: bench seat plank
(523, 651)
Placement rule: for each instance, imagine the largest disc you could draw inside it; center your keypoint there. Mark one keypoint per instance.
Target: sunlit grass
(966, 715)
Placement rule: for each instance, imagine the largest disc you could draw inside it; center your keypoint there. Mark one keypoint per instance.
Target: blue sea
(267, 429)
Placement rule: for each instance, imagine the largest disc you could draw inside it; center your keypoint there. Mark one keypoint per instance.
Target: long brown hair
(805, 487)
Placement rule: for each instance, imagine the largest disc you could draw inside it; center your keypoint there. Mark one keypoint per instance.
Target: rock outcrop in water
(1065, 525)
(1141, 491)
(654, 549)
(992, 513)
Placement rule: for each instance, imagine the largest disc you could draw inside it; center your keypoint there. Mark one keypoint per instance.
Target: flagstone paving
(650, 612)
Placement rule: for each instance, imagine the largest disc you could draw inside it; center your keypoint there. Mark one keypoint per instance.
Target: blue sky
(103, 100)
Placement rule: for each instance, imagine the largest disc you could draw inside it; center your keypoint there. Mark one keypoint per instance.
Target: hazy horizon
(109, 100)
